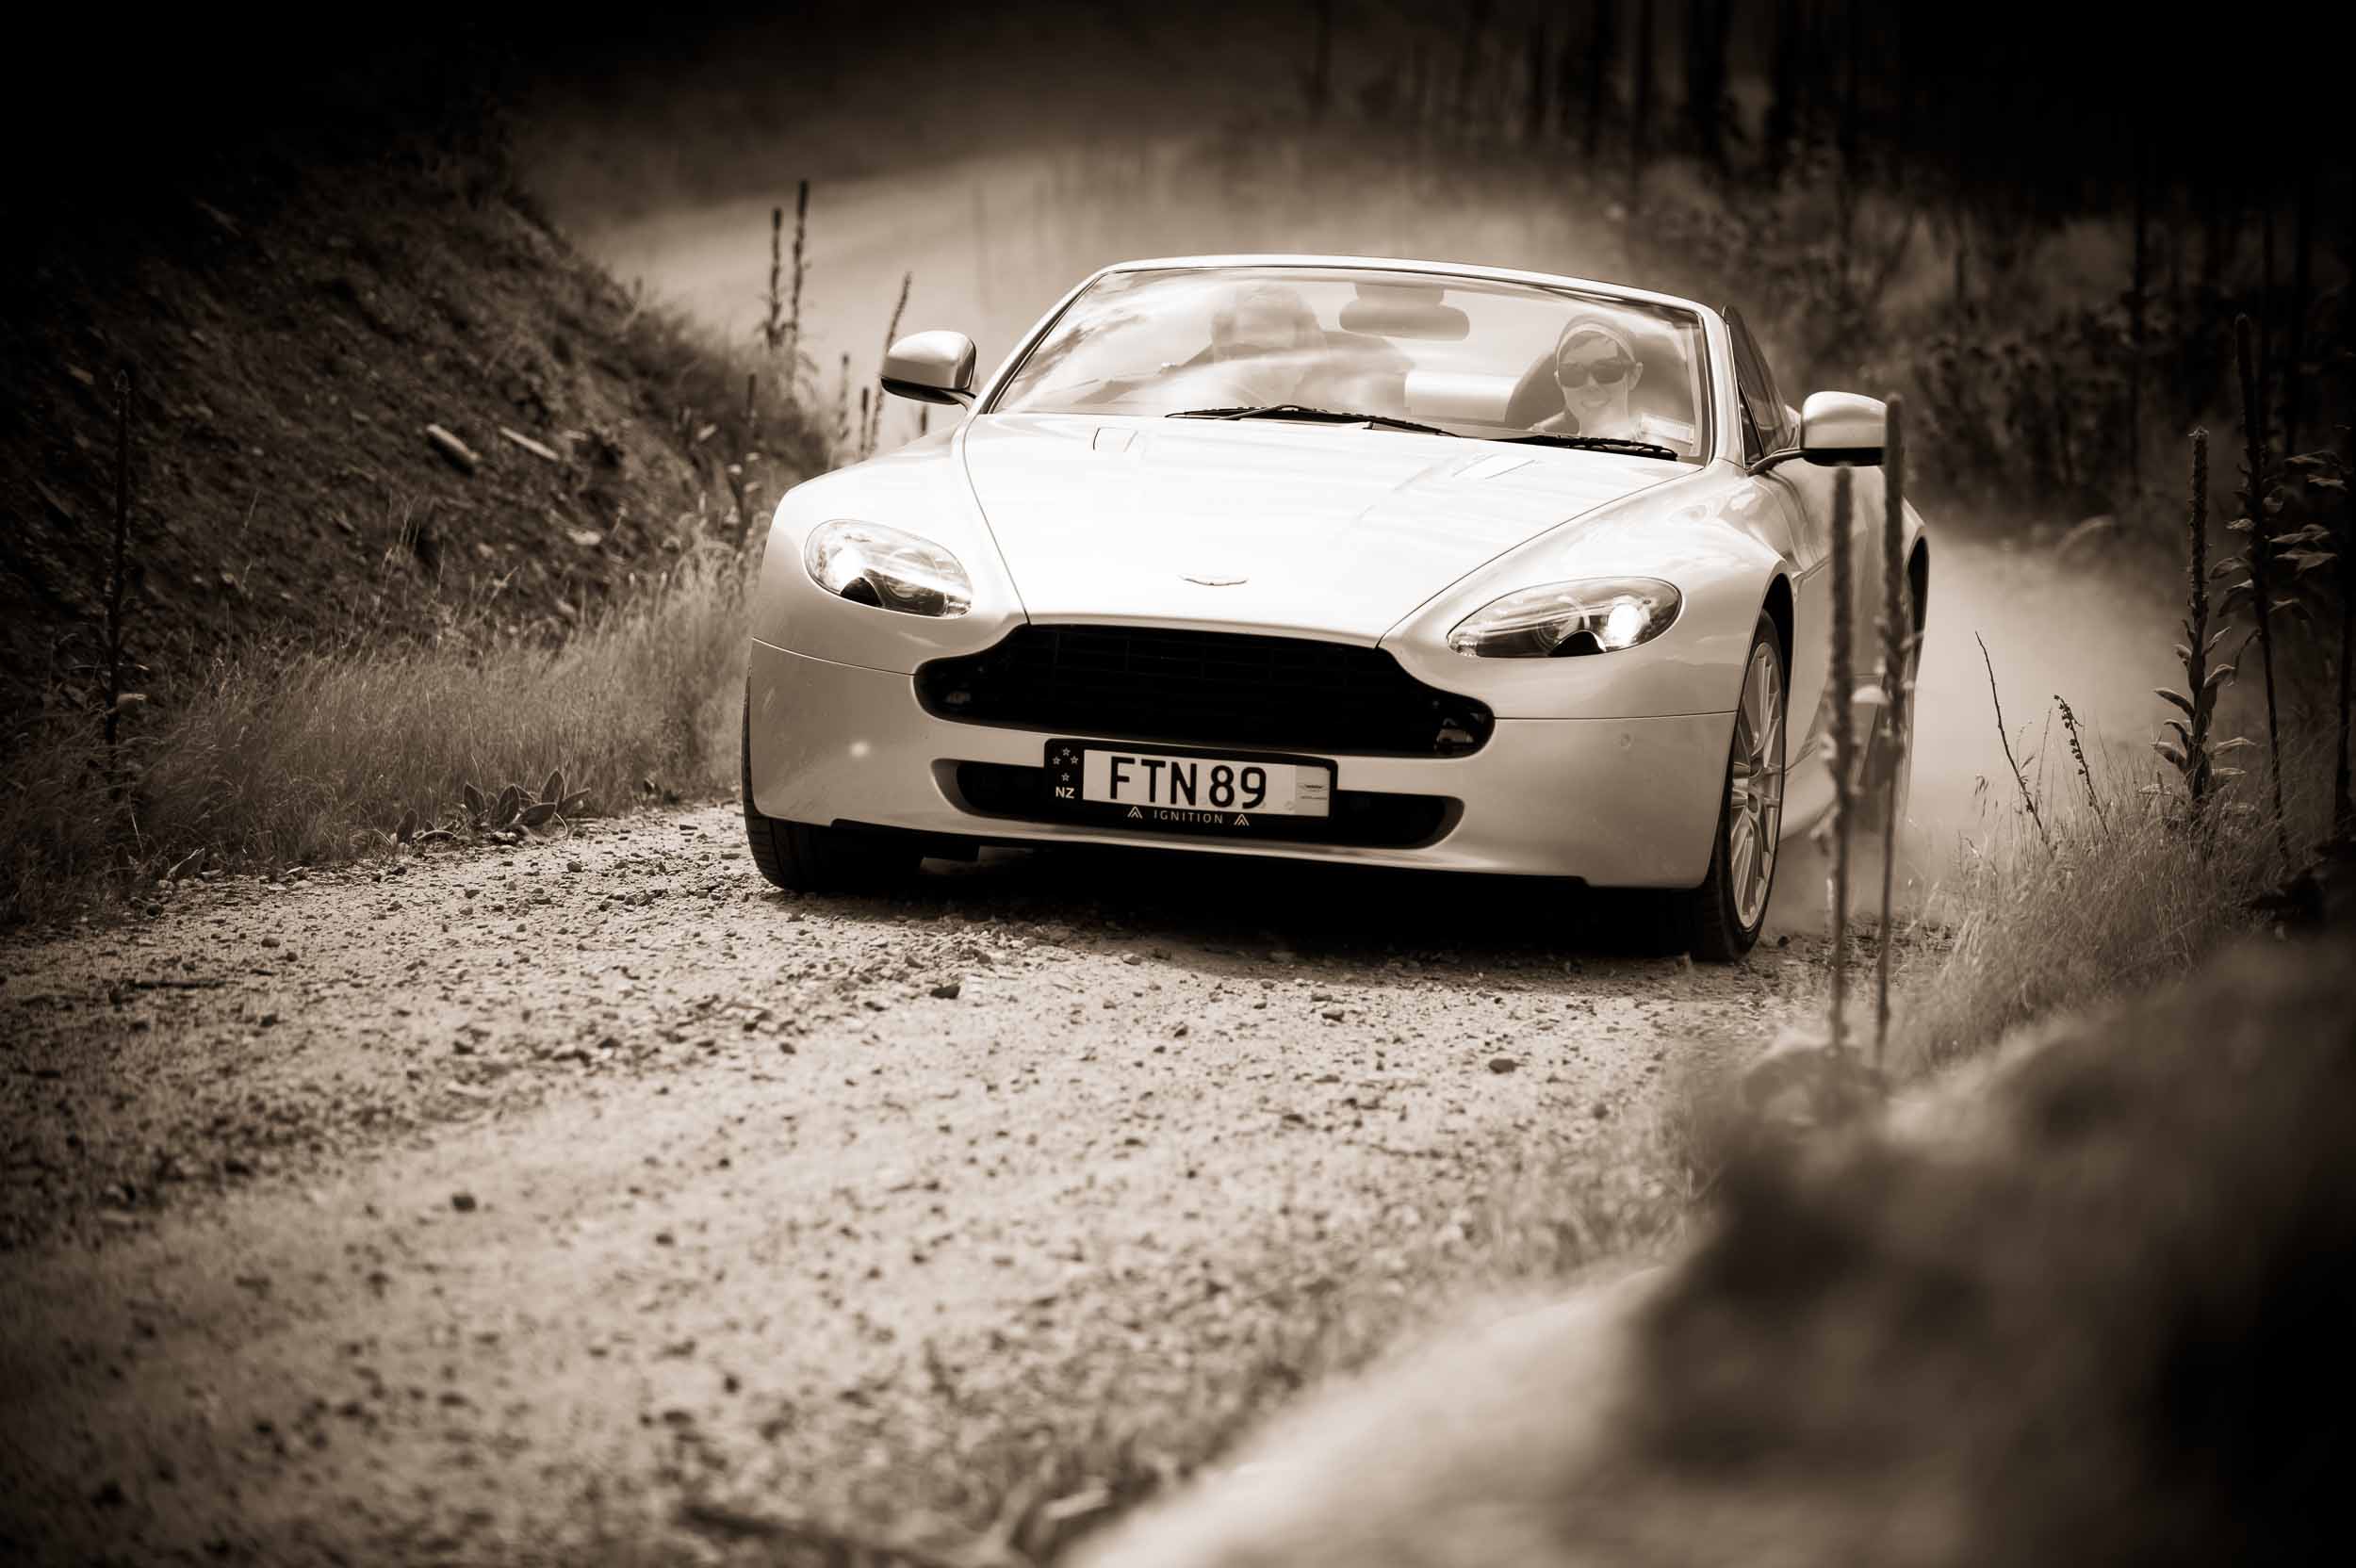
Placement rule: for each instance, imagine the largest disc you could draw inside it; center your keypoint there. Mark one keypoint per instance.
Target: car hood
(1333, 530)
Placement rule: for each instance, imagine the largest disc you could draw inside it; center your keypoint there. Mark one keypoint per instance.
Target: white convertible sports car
(1392, 563)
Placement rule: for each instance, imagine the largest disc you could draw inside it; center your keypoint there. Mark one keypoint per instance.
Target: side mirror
(932, 367)
(1843, 427)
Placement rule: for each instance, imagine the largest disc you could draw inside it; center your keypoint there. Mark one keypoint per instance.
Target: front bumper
(1623, 803)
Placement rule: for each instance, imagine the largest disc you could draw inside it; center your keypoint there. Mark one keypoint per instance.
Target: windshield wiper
(1596, 444)
(1303, 411)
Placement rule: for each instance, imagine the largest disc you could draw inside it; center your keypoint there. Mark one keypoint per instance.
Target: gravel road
(499, 1198)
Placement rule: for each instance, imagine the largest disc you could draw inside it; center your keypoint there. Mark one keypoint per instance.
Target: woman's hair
(1276, 296)
(1596, 326)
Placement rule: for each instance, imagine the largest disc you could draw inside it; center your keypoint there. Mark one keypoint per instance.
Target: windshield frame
(1710, 335)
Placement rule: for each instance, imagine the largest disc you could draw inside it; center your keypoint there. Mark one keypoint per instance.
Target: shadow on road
(1313, 910)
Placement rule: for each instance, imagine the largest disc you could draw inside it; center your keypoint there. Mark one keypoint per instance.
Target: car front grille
(1204, 687)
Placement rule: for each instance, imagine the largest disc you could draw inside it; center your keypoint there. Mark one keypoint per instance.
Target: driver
(1595, 368)
(1267, 345)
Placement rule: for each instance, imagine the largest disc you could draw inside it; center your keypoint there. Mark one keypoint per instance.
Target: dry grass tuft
(2098, 898)
(313, 757)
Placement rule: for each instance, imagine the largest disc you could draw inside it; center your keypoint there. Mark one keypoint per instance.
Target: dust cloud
(2055, 626)
(992, 239)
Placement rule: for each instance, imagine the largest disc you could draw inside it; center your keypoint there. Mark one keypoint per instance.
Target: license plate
(1157, 786)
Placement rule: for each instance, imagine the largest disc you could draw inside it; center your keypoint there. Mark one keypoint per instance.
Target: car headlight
(1595, 615)
(869, 563)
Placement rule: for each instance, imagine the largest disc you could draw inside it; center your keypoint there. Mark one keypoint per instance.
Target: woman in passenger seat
(1595, 368)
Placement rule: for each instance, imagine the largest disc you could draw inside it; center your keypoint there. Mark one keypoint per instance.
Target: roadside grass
(312, 756)
(748, 397)
(575, 611)
(2125, 895)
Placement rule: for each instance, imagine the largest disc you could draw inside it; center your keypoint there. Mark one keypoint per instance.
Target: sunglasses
(1606, 372)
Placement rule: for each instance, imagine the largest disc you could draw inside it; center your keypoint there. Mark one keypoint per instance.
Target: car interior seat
(1371, 370)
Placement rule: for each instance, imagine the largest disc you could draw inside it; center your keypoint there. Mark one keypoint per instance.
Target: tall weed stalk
(117, 572)
(2257, 557)
(1897, 630)
(773, 315)
(2019, 778)
(1843, 746)
(2192, 753)
(874, 430)
(793, 300)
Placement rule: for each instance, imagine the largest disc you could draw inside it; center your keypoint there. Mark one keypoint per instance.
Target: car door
(1803, 493)
(1771, 429)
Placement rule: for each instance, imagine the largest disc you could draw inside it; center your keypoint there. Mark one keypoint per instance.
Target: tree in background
(1708, 25)
(1535, 105)
(1782, 130)
(1603, 43)
(1639, 101)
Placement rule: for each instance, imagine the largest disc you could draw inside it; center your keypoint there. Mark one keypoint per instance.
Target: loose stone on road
(438, 1206)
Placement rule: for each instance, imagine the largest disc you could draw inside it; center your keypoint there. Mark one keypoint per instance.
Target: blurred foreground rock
(2083, 1301)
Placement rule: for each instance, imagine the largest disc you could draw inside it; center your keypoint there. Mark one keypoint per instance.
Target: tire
(1720, 919)
(801, 858)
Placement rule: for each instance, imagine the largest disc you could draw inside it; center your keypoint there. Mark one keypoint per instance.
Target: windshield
(1468, 356)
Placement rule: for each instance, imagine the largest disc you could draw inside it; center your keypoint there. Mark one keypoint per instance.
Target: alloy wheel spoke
(1755, 787)
(1759, 707)
(1746, 847)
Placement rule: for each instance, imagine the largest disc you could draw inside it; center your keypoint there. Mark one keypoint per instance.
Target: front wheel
(1720, 919)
